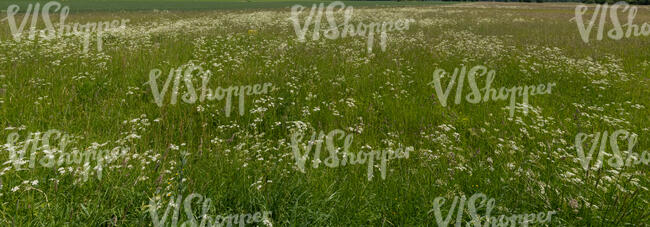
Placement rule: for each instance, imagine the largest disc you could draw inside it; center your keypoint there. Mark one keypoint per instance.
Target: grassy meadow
(203, 5)
(244, 163)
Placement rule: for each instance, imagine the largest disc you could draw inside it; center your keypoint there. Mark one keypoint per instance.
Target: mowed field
(245, 162)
